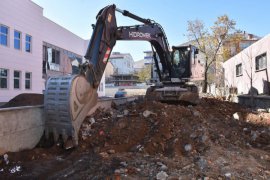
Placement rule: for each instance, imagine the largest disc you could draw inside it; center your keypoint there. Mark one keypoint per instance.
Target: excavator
(69, 98)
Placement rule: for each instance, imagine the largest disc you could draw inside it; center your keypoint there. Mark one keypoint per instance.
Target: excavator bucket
(68, 99)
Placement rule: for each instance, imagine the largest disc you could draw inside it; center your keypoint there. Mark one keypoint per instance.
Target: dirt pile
(26, 99)
(151, 140)
(213, 137)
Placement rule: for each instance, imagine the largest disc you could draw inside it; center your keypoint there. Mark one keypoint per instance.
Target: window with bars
(17, 79)
(17, 40)
(3, 78)
(261, 62)
(27, 80)
(3, 35)
(28, 43)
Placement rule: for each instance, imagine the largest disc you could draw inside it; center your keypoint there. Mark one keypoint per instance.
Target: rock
(228, 175)
(126, 112)
(111, 151)
(202, 163)
(124, 164)
(245, 129)
(254, 135)
(237, 116)
(147, 113)
(204, 138)
(188, 147)
(163, 168)
(196, 113)
(6, 158)
(92, 120)
(120, 116)
(104, 154)
(162, 175)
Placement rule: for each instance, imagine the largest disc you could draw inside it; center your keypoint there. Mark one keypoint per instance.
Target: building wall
(27, 17)
(247, 58)
(24, 16)
(123, 63)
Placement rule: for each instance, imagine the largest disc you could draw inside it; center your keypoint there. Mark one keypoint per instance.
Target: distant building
(109, 71)
(247, 72)
(122, 62)
(125, 79)
(138, 65)
(32, 48)
(123, 69)
(238, 42)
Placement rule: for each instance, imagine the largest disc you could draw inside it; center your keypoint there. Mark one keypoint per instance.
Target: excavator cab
(183, 57)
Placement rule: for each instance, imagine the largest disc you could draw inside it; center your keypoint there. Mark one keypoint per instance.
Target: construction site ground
(152, 140)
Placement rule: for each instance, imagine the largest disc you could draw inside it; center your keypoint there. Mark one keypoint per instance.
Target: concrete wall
(20, 128)
(247, 58)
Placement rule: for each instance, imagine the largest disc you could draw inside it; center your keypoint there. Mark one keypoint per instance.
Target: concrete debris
(15, 169)
(162, 175)
(111, 151)
(6, 159)
(126, 112)
(188, 147)
(237, 116)
(196, 113)
(92, 120)
(228, 175)
(104, 154)
(147, 113)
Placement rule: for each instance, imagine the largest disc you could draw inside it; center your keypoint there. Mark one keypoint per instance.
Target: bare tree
(208, 41)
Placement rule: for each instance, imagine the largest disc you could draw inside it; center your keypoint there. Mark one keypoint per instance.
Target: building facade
(247, 72)
(32, 48)
(123, 63)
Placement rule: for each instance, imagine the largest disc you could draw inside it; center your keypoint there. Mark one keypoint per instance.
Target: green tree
(145, 73)
(209, 41)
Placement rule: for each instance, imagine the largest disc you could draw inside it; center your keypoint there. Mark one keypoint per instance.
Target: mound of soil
(213, 140)
(25, 99)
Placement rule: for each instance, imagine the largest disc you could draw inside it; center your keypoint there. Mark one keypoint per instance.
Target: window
(28, 41)
(17, 40)
(17, 78)
(3, 35)
(261, 62)
(3, 78)
(239, 69)
(27, 80)
(55, 56)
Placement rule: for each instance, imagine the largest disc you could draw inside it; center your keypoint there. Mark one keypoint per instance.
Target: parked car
(120, 93)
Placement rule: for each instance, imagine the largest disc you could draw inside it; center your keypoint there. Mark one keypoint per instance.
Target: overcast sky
(78, 15)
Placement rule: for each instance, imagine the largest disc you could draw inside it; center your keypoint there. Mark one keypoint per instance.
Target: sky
(77, 16)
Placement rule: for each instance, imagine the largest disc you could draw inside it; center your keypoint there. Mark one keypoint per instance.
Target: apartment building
(33, 48)
(248, 71)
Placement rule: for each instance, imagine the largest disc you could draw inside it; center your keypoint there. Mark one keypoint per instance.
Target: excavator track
(68, 100)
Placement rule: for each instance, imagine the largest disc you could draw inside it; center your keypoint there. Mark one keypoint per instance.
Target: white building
(250, 68)
(123, 63)
(27, 41)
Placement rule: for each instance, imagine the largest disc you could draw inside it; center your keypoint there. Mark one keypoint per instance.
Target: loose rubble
(152, 140)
